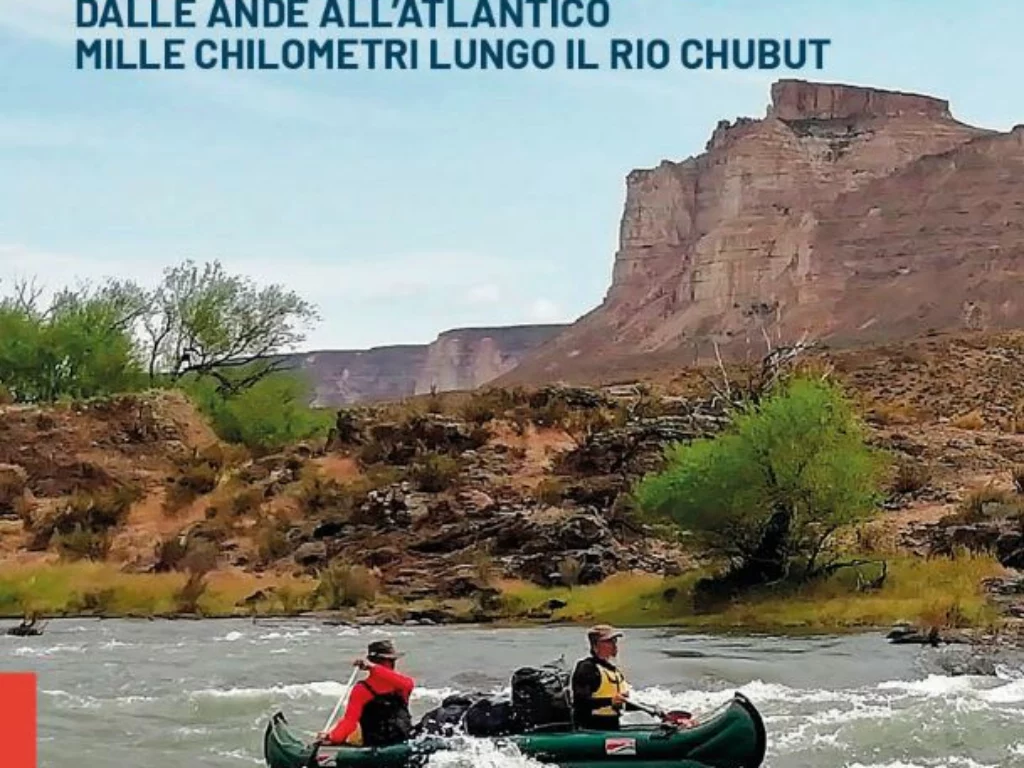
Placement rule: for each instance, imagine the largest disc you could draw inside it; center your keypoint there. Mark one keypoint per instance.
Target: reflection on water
(171, 694)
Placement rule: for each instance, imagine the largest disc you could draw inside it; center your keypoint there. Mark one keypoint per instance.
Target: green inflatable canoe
(733, 737)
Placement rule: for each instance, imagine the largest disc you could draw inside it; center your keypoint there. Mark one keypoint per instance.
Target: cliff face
(457, 360)
(846, 213)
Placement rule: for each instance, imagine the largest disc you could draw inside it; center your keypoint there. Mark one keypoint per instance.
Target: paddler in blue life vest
(600, 693)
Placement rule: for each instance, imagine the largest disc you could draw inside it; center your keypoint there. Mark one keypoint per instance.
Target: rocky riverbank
(497, 506)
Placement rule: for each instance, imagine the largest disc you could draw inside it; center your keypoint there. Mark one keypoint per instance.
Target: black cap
(382, 649)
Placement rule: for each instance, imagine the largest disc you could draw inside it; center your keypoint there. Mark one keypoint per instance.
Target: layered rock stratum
(848, 215)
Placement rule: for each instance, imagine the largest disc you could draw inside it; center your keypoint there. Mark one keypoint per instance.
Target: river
(175, 694)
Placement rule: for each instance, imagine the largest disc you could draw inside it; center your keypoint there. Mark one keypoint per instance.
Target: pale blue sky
(405, 204)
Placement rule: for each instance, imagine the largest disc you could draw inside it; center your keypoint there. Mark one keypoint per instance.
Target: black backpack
(491, 718)
(446, 719)
(385, 720)
(540, 697)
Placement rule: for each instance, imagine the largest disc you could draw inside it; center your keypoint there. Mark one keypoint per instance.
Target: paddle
(674, 717)
(334, 713)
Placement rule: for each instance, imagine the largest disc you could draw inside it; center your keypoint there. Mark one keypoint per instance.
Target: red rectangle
(18, 720)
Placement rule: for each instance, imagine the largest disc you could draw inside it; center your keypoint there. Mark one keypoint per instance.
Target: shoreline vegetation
(183, 473)
(943, 591)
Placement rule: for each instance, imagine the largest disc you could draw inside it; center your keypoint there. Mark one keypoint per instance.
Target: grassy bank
(945, 592)
(86, 588)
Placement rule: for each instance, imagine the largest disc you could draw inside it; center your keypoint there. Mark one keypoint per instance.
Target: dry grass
(345, 586)
(629, 599)
(891, 414)
(197, 476)
(972, 421)
(940, 591)
(933, 592)
(271, 537)
(985, 503)
(550, 491)
(911, 477)
(434, 473)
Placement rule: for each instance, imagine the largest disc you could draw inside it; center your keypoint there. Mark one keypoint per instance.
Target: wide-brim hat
(382, 649)
(603, 632)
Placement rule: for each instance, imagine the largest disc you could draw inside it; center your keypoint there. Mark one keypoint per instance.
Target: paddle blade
(680, 719)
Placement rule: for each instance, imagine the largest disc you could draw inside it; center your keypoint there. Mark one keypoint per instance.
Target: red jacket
(383, 680)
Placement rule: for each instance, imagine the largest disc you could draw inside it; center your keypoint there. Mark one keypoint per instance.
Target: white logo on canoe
(620, 746)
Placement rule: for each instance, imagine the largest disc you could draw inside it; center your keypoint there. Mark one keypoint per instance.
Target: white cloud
(53, 269)
(545, 311)
(373, 279)
(405, 298)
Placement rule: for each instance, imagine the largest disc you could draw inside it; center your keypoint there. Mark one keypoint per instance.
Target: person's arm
(353, 711)
(401, 683)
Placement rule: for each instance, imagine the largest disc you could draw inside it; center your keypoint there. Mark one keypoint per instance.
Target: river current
(181, 694)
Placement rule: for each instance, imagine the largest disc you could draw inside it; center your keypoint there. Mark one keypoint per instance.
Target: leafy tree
(770, 493)
(79, 345)
(269, 414)
(206, 323)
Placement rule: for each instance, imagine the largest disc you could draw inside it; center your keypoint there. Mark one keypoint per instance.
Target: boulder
(385, 509)
(475, 502)
(401, 442)
(311, 554)
(581, 532)
(1005, 587)
(13, 487)
(582, 398)
(638, 447)
(1001, 535)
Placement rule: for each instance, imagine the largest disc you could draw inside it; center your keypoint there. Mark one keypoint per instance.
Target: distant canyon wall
(458, 360)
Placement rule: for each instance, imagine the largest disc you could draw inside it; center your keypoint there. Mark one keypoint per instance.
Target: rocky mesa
(847, 214)
(461, 359)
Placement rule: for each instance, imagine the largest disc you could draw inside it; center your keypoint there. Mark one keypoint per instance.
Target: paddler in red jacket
(378, 705)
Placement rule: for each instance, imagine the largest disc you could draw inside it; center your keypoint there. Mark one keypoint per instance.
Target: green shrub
(770, 492)
(81, 543)
(292, 601)
(77, 347)
(272, 542)
(268, 416)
